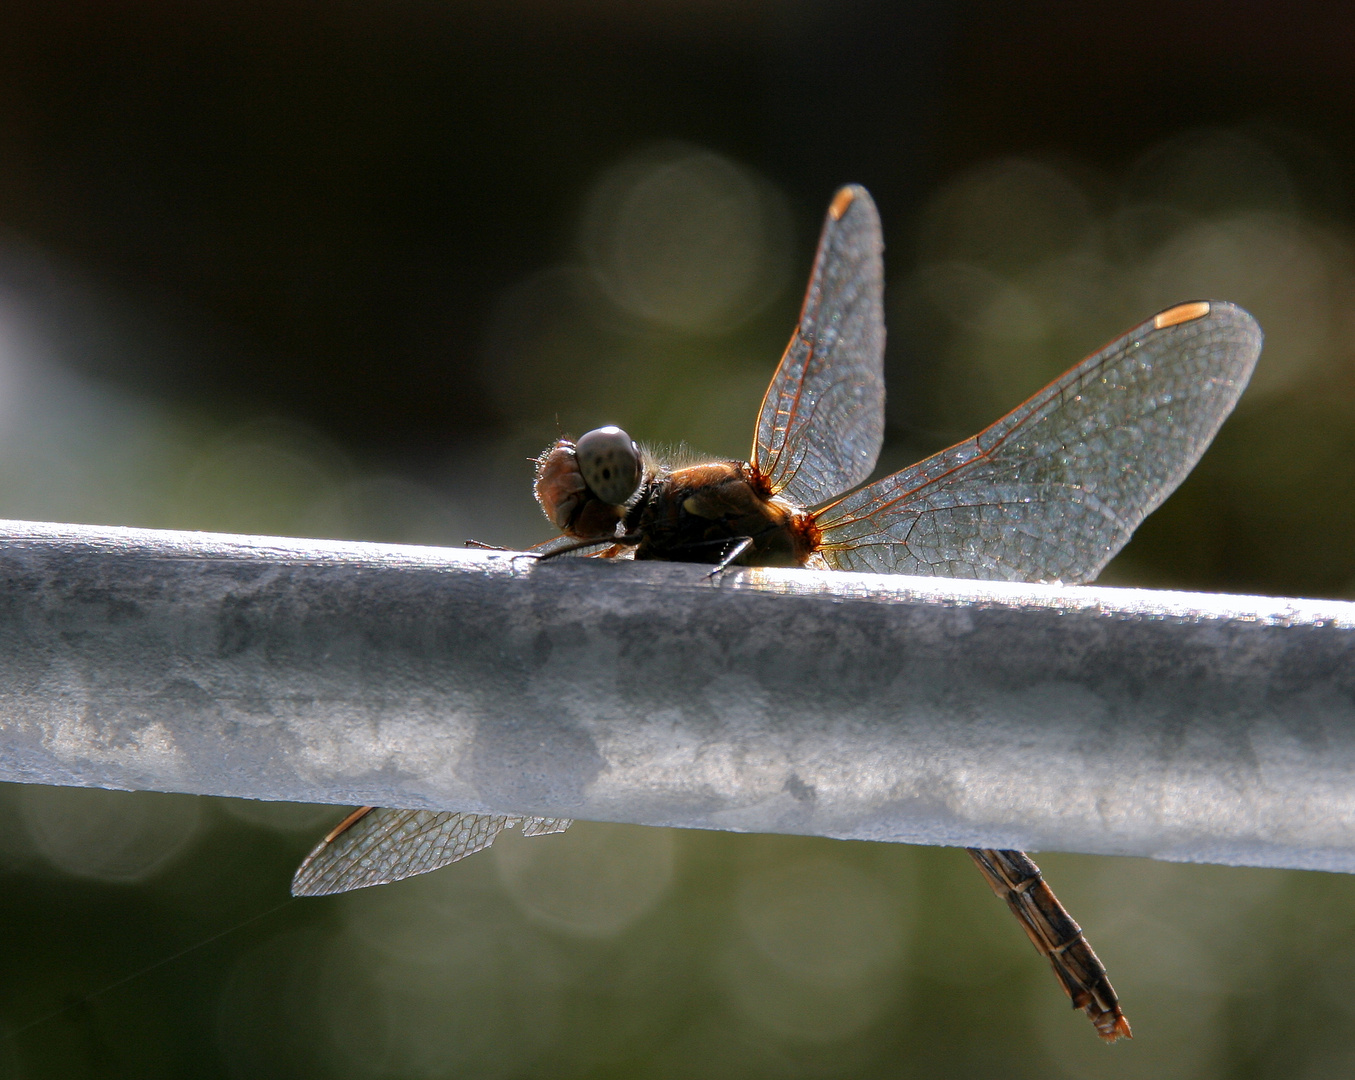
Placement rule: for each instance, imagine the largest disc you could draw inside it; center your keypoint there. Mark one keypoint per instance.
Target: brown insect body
(1018, 881)
(698, 513)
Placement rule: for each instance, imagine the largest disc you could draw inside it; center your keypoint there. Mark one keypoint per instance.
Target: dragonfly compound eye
(609, 462)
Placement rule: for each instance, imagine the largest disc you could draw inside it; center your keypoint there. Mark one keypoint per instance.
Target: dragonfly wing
(379, 846)
(822, 420)
(1055, 488)
(544, 826)
(571, 547)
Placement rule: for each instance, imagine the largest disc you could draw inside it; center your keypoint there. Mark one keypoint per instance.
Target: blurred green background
(340, 269)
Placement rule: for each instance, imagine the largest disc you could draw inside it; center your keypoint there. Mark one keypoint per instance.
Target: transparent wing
(374, 846)
(544, 826)
(1055, 488)
(381, 846)
(822, 419)
(567, 547)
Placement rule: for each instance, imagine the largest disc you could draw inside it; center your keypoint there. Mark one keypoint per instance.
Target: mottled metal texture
(983, 714)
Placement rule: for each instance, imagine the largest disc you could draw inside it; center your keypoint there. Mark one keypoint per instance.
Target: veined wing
(822, 419)
(545, 826)
(570, 548)
(374, 846)
(1055, 488)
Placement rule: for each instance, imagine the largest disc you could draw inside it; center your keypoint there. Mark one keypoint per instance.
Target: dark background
(340, 269)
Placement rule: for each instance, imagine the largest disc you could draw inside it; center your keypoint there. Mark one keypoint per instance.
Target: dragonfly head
(609, 462)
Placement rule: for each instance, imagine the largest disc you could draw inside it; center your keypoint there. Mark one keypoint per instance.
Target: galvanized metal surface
(983, 714)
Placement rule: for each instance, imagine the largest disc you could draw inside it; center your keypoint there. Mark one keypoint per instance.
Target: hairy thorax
(693, 514)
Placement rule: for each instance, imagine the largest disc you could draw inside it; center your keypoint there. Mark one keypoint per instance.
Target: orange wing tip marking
(1181, 313)
(347, 823)
(841, 201)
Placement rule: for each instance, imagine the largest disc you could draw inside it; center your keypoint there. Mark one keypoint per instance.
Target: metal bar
(1180, 726)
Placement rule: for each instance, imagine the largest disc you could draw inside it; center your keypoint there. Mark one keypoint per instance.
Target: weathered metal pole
(1180, 726)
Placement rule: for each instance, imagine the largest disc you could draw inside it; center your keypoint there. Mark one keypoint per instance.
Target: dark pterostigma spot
(798, 789)
(537, 762)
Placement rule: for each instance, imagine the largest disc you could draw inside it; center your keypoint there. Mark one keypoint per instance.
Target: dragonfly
(1048, 493)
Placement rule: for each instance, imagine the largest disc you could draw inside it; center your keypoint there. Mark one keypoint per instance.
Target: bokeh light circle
(594, 881)
(121, 836)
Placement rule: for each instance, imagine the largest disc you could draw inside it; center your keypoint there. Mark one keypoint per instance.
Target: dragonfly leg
(1017, 880)
(737, 547)
(480, 546)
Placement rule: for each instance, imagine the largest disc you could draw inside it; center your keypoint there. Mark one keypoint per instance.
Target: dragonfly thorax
(698, 513)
